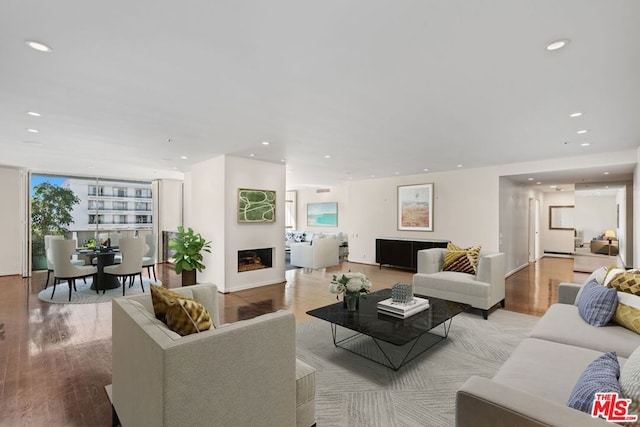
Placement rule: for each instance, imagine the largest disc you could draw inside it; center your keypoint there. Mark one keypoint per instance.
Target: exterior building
(110, 206)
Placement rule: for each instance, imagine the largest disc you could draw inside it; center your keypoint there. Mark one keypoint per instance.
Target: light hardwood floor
(55, 359)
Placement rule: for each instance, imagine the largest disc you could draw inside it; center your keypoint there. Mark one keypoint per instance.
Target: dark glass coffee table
(384, 339)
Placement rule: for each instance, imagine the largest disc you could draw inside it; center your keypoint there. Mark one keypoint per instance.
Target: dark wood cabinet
(403, 253)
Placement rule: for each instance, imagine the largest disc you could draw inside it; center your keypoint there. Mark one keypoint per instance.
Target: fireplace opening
(255, 259)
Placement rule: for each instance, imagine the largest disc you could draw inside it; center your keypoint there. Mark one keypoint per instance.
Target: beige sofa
(239, 374)
(318, 253)
(481, 291)
(533, 386)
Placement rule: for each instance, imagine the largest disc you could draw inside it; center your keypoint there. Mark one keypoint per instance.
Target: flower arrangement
(352, 284)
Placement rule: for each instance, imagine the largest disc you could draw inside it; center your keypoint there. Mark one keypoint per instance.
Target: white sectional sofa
(482, 291)
(533, 386)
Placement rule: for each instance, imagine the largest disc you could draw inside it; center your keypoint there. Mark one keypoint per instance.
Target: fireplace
(255, 259)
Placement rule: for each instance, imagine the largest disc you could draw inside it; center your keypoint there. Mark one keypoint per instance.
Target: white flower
(336, 288)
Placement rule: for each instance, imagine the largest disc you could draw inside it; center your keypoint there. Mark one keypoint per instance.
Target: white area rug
(84, 295)
(354, 391)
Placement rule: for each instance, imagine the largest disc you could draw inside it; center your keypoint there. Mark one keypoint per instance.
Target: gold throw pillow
(187, 317)
(463, 260)
(163, 298)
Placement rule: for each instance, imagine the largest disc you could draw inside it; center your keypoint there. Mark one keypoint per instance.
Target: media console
(403, 253)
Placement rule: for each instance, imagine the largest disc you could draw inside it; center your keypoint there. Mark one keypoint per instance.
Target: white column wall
(13, 202)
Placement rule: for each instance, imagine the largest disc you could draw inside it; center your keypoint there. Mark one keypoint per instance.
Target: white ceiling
(383, 87)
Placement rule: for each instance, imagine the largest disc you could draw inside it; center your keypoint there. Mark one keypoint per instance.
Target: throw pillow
(614, 271)
(187, 317)
(630, 382)
(627, 281)
(463, 260)
(601, 376)
(597, 304)
(628, 311)
(163, 298)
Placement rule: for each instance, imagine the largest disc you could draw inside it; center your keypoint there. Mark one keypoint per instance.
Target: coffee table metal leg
(438, 338)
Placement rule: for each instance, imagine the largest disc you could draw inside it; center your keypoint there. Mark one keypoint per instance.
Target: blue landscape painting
(322, 214)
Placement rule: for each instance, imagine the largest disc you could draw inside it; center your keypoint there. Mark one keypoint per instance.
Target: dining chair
(132, 250)
(149, 259)
(47, 250)
(64, 269)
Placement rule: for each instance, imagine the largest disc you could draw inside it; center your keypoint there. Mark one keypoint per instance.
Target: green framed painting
(256, 206)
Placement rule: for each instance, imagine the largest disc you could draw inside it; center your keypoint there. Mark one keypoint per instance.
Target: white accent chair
(319, 253)
(63, 268)
(240, 374)
(132, 250)
(48, 254)
(149, 258)
(483, 291)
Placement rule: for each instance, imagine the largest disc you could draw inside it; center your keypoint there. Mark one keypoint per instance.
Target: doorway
(534, 229)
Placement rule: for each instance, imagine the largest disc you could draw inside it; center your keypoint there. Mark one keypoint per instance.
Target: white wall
(594, 214)
(168, 210)
(213, 186)
(335, 194)
(465, 210)
(514, 223)
(13, 201)
(556, 240)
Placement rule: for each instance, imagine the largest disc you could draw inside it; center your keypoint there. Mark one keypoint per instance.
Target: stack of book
(403, 310)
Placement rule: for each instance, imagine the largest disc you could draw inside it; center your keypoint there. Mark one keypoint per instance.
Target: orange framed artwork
(415, 207)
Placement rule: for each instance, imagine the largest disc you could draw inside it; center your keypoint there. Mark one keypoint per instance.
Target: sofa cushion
(462, 283)
(597, 304)
(601, 376)
(628, 312)
(630, 382)
(186, 317)
(463, 260)
(546, 369)
(575, 331)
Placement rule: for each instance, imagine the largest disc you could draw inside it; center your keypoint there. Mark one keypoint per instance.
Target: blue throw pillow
(601, 376)
(597, 304)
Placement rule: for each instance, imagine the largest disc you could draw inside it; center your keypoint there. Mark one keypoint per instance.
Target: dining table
(104, 257)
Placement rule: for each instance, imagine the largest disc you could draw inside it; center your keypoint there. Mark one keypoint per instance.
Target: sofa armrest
(482, 402)
(491, 269)
(567, 292)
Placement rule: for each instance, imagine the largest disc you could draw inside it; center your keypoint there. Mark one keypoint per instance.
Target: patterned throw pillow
(601, 376)
(463, 260)
(597, 304)
(162, 298)
(626, 281)
(630, 382)
(628, 312)
(187, 317)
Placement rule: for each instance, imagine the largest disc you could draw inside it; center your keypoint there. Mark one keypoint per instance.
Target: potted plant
(188, 247)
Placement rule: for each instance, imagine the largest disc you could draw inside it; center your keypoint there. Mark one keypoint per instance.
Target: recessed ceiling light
(91, 167)
(607, 173)
(426, 169)
(459, 166)
(582, 131)
(372, 176)
(553, 186)
(328, 156)
(283, 160)
(40, 47)
(530, 179)
(606, 186)
(585, 144)
(33, 130)
(397, 173)
(183, 157)
(558, 44)
(175, 168)
(576, 114)
(539, 182)
(265, 142)
(251, 155)
(33, 113)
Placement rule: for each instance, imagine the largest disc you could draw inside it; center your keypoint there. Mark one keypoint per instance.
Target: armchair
(243, 373)
(482, 291)
(316, 254)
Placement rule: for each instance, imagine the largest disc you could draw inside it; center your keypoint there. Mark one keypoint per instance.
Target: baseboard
(515, 270)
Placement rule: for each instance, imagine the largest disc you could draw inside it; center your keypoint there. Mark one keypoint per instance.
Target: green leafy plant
(188, 247)
(51, 208)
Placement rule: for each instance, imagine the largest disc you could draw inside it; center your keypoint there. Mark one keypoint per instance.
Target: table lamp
(609, 235)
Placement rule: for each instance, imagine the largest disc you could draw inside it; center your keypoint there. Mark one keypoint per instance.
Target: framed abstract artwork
(322, 214)
(415, 207)
(256, 205)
